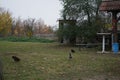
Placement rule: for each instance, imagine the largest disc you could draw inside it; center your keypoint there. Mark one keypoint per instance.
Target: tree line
(89, 19)
(21, 28)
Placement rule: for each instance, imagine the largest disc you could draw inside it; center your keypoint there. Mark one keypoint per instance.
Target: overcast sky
(47, 10)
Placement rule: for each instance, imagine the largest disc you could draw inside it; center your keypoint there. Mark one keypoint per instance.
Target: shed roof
(110, 5)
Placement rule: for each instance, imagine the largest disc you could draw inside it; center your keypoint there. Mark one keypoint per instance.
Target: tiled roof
(110, 6)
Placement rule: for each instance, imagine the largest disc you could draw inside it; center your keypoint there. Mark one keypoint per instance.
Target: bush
(26, 39)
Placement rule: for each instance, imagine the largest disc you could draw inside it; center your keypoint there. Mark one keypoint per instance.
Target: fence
(46, 36)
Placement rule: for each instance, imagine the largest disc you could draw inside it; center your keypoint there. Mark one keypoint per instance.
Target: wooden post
(114, 27)
(115, 46)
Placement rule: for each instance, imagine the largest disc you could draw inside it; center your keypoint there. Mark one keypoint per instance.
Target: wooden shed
(66, 24)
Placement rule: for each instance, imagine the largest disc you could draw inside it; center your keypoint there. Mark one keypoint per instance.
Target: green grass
(49, 61)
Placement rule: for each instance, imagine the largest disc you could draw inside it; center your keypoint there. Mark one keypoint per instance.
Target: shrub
(26, 39)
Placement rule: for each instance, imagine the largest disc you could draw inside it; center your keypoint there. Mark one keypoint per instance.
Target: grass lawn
(49, 61)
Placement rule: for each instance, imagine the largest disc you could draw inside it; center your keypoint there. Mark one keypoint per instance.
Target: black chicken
(15, 58)
(72, 50)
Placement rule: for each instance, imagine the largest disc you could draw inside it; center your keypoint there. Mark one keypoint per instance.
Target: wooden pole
(114, 27)
(115, 46)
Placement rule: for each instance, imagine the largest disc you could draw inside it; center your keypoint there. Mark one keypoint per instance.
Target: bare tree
(39, 24)
(29, 27)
